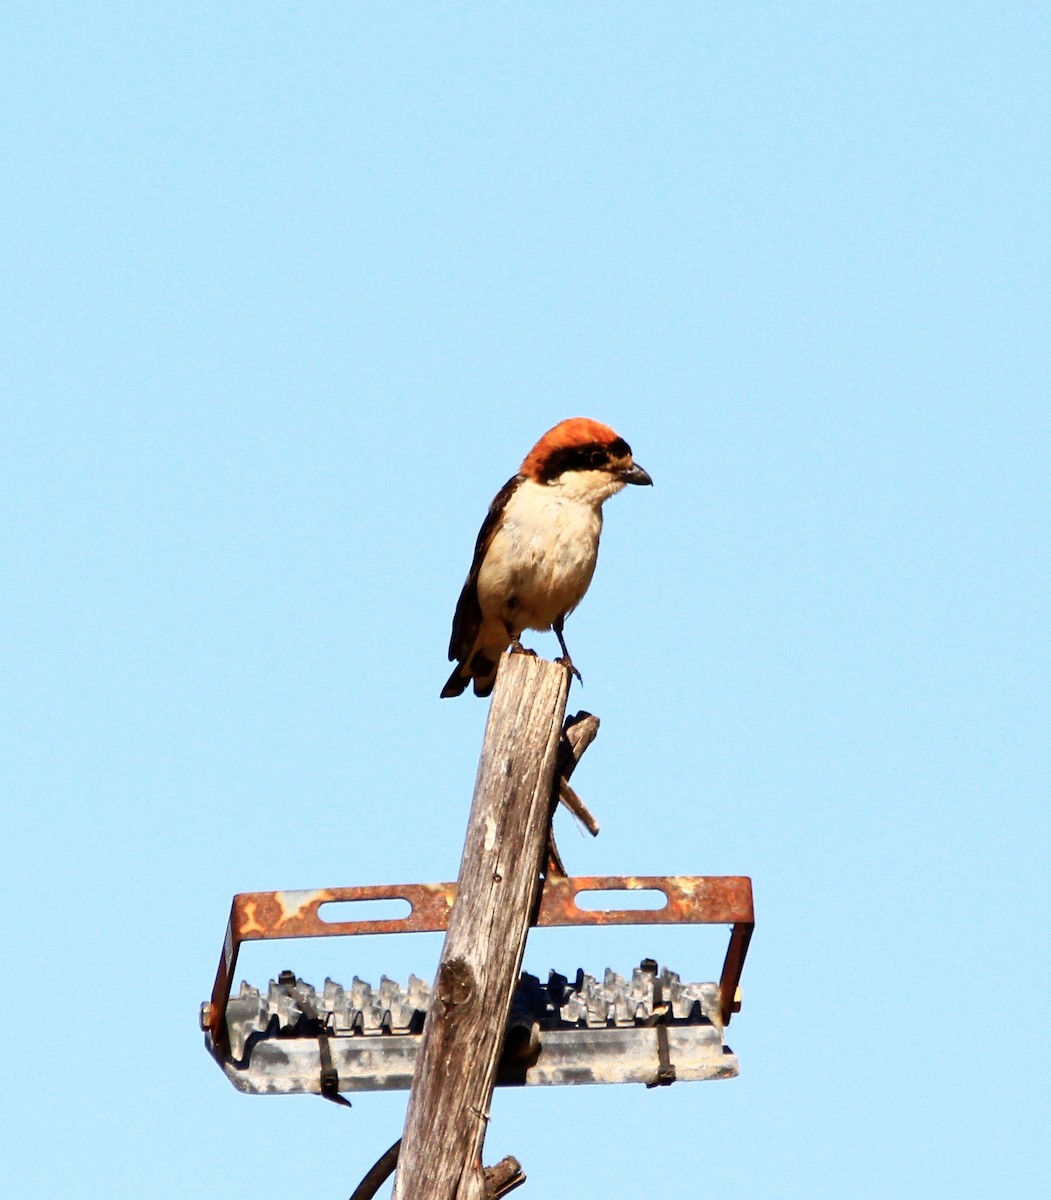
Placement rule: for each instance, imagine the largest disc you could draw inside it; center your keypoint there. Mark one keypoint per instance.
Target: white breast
(542, 558)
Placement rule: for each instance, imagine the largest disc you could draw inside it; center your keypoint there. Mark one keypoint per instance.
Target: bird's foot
(516, 647)
(567, 662)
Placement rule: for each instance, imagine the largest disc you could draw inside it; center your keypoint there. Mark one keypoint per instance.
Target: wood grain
(480, 962)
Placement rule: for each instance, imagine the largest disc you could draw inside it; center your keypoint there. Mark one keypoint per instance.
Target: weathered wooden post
(497, 891)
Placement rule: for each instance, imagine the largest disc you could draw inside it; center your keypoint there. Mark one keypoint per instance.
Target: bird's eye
(597, 458)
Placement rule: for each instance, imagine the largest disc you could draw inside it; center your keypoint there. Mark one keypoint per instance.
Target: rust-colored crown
(566, 435)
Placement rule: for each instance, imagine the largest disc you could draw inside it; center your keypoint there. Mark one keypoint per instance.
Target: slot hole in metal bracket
(621, 900)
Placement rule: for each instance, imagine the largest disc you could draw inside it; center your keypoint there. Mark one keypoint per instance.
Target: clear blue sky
(288, 293)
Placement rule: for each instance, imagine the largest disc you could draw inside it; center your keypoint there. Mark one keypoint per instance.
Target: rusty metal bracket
(690, 900)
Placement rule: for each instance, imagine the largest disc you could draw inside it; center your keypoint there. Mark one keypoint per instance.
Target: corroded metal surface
(689, 900)
(296, 914)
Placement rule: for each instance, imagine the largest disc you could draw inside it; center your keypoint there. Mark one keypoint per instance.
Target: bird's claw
(516, 647)
(567, 662)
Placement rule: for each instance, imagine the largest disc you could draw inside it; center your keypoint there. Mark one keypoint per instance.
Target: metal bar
(740, 936)
(690, 900)
(296, 914)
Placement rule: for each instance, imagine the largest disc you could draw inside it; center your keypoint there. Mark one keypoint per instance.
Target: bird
(536, 551)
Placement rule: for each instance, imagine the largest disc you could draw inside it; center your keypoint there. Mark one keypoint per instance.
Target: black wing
(467, 619)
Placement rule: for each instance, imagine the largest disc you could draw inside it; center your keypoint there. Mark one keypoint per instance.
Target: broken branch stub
(580, 731)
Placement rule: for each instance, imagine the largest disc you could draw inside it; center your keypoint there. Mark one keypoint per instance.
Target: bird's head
(584, 457)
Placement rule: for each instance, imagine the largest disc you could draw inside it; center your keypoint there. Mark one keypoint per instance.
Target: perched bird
(537, 548)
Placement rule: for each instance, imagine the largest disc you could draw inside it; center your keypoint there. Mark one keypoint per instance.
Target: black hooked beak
(635, 474)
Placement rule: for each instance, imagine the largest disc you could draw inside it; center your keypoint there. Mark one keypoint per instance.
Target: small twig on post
(482, 955)
(502, 1178)
(579, 732)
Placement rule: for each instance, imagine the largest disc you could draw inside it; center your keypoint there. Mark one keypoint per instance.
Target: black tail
(456, 684)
